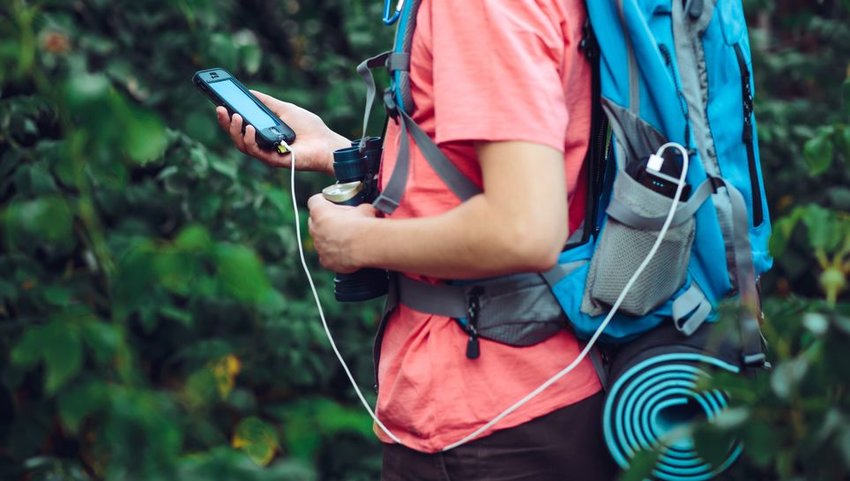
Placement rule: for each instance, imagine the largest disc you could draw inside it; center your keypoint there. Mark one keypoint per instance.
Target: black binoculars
(356, 172)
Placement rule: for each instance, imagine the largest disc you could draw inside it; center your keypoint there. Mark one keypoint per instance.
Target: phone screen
(243, 104)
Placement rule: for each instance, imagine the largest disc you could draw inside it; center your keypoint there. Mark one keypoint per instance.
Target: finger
(222, 118)
(236, 132)
(316, 201)
(367, 209)
(266, 99)
(250, 142)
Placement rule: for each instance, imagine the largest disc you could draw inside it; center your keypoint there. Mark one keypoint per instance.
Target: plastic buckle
(389, 103)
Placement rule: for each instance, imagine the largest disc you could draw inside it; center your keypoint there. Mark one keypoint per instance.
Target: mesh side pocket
(622, 248)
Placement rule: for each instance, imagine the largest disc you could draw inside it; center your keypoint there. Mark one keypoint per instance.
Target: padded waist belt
(518, 310)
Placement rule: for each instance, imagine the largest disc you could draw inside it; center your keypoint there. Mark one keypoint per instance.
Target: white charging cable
(655, 162)
(319, 303)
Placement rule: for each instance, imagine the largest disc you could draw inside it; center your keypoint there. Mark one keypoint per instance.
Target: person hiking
(505, 91)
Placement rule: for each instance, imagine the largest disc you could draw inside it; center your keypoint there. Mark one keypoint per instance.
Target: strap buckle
(390, 104)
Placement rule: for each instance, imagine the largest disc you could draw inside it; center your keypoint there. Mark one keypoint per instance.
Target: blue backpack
(667, 71)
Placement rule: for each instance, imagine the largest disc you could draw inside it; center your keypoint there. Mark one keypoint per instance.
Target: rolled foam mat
(653, 388)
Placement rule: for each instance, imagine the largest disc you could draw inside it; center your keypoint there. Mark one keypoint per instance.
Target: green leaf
(63, 355)
(103, 339)
(846, 89)
(44, 220)
(78, 402)
(819, 152)
(787, 376)
(146, 138)
(731, 418)
(84, 89)
(713, 444)
(241, 273)
(641, 466)
(57, 295)
(193, 238)
(257, 438)
(822, 227)
(782, 230)
(28, 350)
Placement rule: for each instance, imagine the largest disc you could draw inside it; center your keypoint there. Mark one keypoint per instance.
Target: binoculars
(356, 173)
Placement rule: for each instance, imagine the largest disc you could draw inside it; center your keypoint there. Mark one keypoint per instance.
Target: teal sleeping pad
(654, 389)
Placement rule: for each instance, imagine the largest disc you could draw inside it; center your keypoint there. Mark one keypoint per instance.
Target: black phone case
(267, 139)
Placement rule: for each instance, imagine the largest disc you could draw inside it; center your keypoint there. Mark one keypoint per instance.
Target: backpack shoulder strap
(399, 103)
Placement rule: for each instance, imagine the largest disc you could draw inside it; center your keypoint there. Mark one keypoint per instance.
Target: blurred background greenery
(155, 324)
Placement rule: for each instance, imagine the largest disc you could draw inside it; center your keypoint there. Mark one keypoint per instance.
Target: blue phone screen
(243, 104)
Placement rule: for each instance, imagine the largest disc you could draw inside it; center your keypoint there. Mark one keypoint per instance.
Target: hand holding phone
(224, 90)
(315, 144)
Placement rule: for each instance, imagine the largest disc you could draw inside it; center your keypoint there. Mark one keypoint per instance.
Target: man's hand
(334, 229)
(314, 143)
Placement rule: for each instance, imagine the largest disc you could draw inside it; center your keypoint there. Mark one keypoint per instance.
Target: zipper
(748, 135)
(473, 349)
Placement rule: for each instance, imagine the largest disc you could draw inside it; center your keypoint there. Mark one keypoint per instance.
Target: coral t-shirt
(484, 70)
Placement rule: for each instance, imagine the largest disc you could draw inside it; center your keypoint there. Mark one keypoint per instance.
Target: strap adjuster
(390, 104)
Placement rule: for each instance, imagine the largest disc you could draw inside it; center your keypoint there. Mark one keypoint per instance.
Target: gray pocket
(625, 244)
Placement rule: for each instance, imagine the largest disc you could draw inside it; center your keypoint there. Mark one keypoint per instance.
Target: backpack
(666, 71)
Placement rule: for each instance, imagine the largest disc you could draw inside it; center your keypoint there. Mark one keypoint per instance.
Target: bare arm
(519, 223)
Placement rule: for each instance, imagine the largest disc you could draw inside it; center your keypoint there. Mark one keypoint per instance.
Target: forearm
(474, 240)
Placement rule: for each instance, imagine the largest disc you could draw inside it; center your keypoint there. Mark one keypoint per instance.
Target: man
(504, 90)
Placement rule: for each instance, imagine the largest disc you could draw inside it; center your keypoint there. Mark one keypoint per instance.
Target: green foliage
(154, 321)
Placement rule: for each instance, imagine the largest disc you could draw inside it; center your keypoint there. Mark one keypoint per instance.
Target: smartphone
(224, 89)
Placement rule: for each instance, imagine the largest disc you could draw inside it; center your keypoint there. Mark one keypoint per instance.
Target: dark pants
(564, 445)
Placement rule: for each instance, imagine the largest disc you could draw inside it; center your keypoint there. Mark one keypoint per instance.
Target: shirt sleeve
(497, 72)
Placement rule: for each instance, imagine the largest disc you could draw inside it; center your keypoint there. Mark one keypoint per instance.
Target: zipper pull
(473, 349)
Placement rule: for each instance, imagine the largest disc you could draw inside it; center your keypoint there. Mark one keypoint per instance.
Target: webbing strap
(690, 310)
(617, 209)
(452, 300)
(365, 71)
(751, 338)
(458, 183)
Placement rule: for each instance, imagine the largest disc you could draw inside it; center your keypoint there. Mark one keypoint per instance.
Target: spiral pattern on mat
(650, 399)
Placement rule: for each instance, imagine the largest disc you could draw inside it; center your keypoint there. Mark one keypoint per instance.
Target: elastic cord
(582, 355)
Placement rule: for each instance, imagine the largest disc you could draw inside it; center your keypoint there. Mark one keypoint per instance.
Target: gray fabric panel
(631, 214)
(518, 310)
(751, 338)
(634, 74)
(637, 138)
(693, 73)
(555, 274)
(723, 206)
